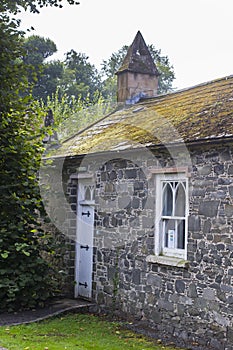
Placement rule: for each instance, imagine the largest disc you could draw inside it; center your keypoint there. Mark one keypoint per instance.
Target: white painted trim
(159, 236)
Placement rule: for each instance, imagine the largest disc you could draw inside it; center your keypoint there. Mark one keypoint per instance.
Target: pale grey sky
(196, 35)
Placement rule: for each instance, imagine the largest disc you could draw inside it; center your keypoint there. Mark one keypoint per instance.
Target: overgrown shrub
(25, 276)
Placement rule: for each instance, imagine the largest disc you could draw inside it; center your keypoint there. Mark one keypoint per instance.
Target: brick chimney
(138, 76)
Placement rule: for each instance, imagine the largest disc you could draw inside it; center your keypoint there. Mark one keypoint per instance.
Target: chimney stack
(138, 76)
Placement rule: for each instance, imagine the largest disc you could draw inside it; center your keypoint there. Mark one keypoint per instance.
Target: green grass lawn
(78, 331)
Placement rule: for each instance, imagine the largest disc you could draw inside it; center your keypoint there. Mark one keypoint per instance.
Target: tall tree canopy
(37, 49)
(43, 76)
(75, 77)
(15, 6)
(86, 79)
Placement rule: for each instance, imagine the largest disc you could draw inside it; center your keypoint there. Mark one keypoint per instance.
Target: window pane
(180, 201)
(169, 233)
(87, 193)
(180, 234)
(167, 200)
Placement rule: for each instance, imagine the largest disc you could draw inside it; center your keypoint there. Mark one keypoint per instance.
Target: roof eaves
(193, 143)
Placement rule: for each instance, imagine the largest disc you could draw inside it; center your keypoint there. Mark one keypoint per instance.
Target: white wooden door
(84, 241)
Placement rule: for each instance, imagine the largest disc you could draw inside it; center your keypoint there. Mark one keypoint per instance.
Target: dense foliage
(72, 114)
(26, 279)
(43, 76)
(15, 6)
(76, 77)
(86, 80)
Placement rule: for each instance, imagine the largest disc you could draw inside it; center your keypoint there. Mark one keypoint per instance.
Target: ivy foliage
(26, 278)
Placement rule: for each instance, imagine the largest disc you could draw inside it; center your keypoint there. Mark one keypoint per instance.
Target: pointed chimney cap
(138, 58)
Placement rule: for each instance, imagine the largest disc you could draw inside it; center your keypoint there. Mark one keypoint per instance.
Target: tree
(74, 77)
(49, 81)
(31, 5)
(43, 76)
(84, 78)
(166, 71)
(111, 66)
(25, 275)
(37, 49)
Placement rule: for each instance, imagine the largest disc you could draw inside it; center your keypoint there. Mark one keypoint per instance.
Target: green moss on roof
(204, 112)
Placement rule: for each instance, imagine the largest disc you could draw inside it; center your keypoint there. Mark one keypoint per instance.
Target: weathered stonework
(192, 303)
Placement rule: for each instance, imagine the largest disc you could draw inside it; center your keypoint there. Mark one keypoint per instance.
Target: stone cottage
(148, 205)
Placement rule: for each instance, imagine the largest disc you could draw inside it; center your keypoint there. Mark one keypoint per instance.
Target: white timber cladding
(171, 213)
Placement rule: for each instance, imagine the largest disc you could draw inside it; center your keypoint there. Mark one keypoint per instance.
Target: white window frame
(160, 249)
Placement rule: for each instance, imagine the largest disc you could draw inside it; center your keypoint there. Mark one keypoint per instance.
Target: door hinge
(87, 213)
(83, 284)
(84, 247)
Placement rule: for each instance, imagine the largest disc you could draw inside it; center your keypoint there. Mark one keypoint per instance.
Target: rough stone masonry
(192, 303)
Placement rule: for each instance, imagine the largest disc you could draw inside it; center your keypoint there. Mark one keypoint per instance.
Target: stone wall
(192, 303)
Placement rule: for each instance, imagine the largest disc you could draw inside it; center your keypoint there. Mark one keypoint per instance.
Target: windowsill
(167, 260)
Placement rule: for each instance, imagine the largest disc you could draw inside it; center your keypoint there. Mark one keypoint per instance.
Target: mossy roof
(202, 113)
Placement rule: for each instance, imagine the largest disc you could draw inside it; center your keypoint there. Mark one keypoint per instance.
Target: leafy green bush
(25, 276)
(72, 115)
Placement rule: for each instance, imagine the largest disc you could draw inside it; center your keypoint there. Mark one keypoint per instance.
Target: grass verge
(71, 332)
